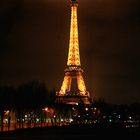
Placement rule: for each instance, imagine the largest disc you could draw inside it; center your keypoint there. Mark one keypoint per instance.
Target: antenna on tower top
(73, 2)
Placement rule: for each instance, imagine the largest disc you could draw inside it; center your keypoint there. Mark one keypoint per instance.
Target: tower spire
(73, 87)
(73, 55)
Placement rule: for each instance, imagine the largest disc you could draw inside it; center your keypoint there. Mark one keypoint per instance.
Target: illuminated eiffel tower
(73, 89)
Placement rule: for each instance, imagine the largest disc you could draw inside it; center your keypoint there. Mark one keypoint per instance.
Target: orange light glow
(73, 72)
(74, 56)
(46, 109)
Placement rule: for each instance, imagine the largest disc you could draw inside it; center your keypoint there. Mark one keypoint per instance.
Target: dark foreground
(72, 133)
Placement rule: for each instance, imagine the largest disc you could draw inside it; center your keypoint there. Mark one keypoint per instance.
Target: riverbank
(71, 133)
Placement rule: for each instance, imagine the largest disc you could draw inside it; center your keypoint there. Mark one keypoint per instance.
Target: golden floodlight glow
(73, 86)
(73, 55)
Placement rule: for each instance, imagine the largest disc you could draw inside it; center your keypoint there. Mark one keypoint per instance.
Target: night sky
(34, 41)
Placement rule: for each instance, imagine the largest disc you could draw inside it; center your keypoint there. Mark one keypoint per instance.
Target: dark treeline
(24, 99)
(107, 108)
(31, 95)
(26, 104)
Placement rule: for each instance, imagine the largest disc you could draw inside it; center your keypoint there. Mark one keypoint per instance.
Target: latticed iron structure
(73, 89)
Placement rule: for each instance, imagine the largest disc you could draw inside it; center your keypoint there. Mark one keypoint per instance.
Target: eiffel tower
(73, 89)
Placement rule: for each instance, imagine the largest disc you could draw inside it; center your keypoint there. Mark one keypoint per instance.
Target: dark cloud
(35, 36)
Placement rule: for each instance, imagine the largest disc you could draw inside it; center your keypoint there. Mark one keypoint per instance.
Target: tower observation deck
(73, 89)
